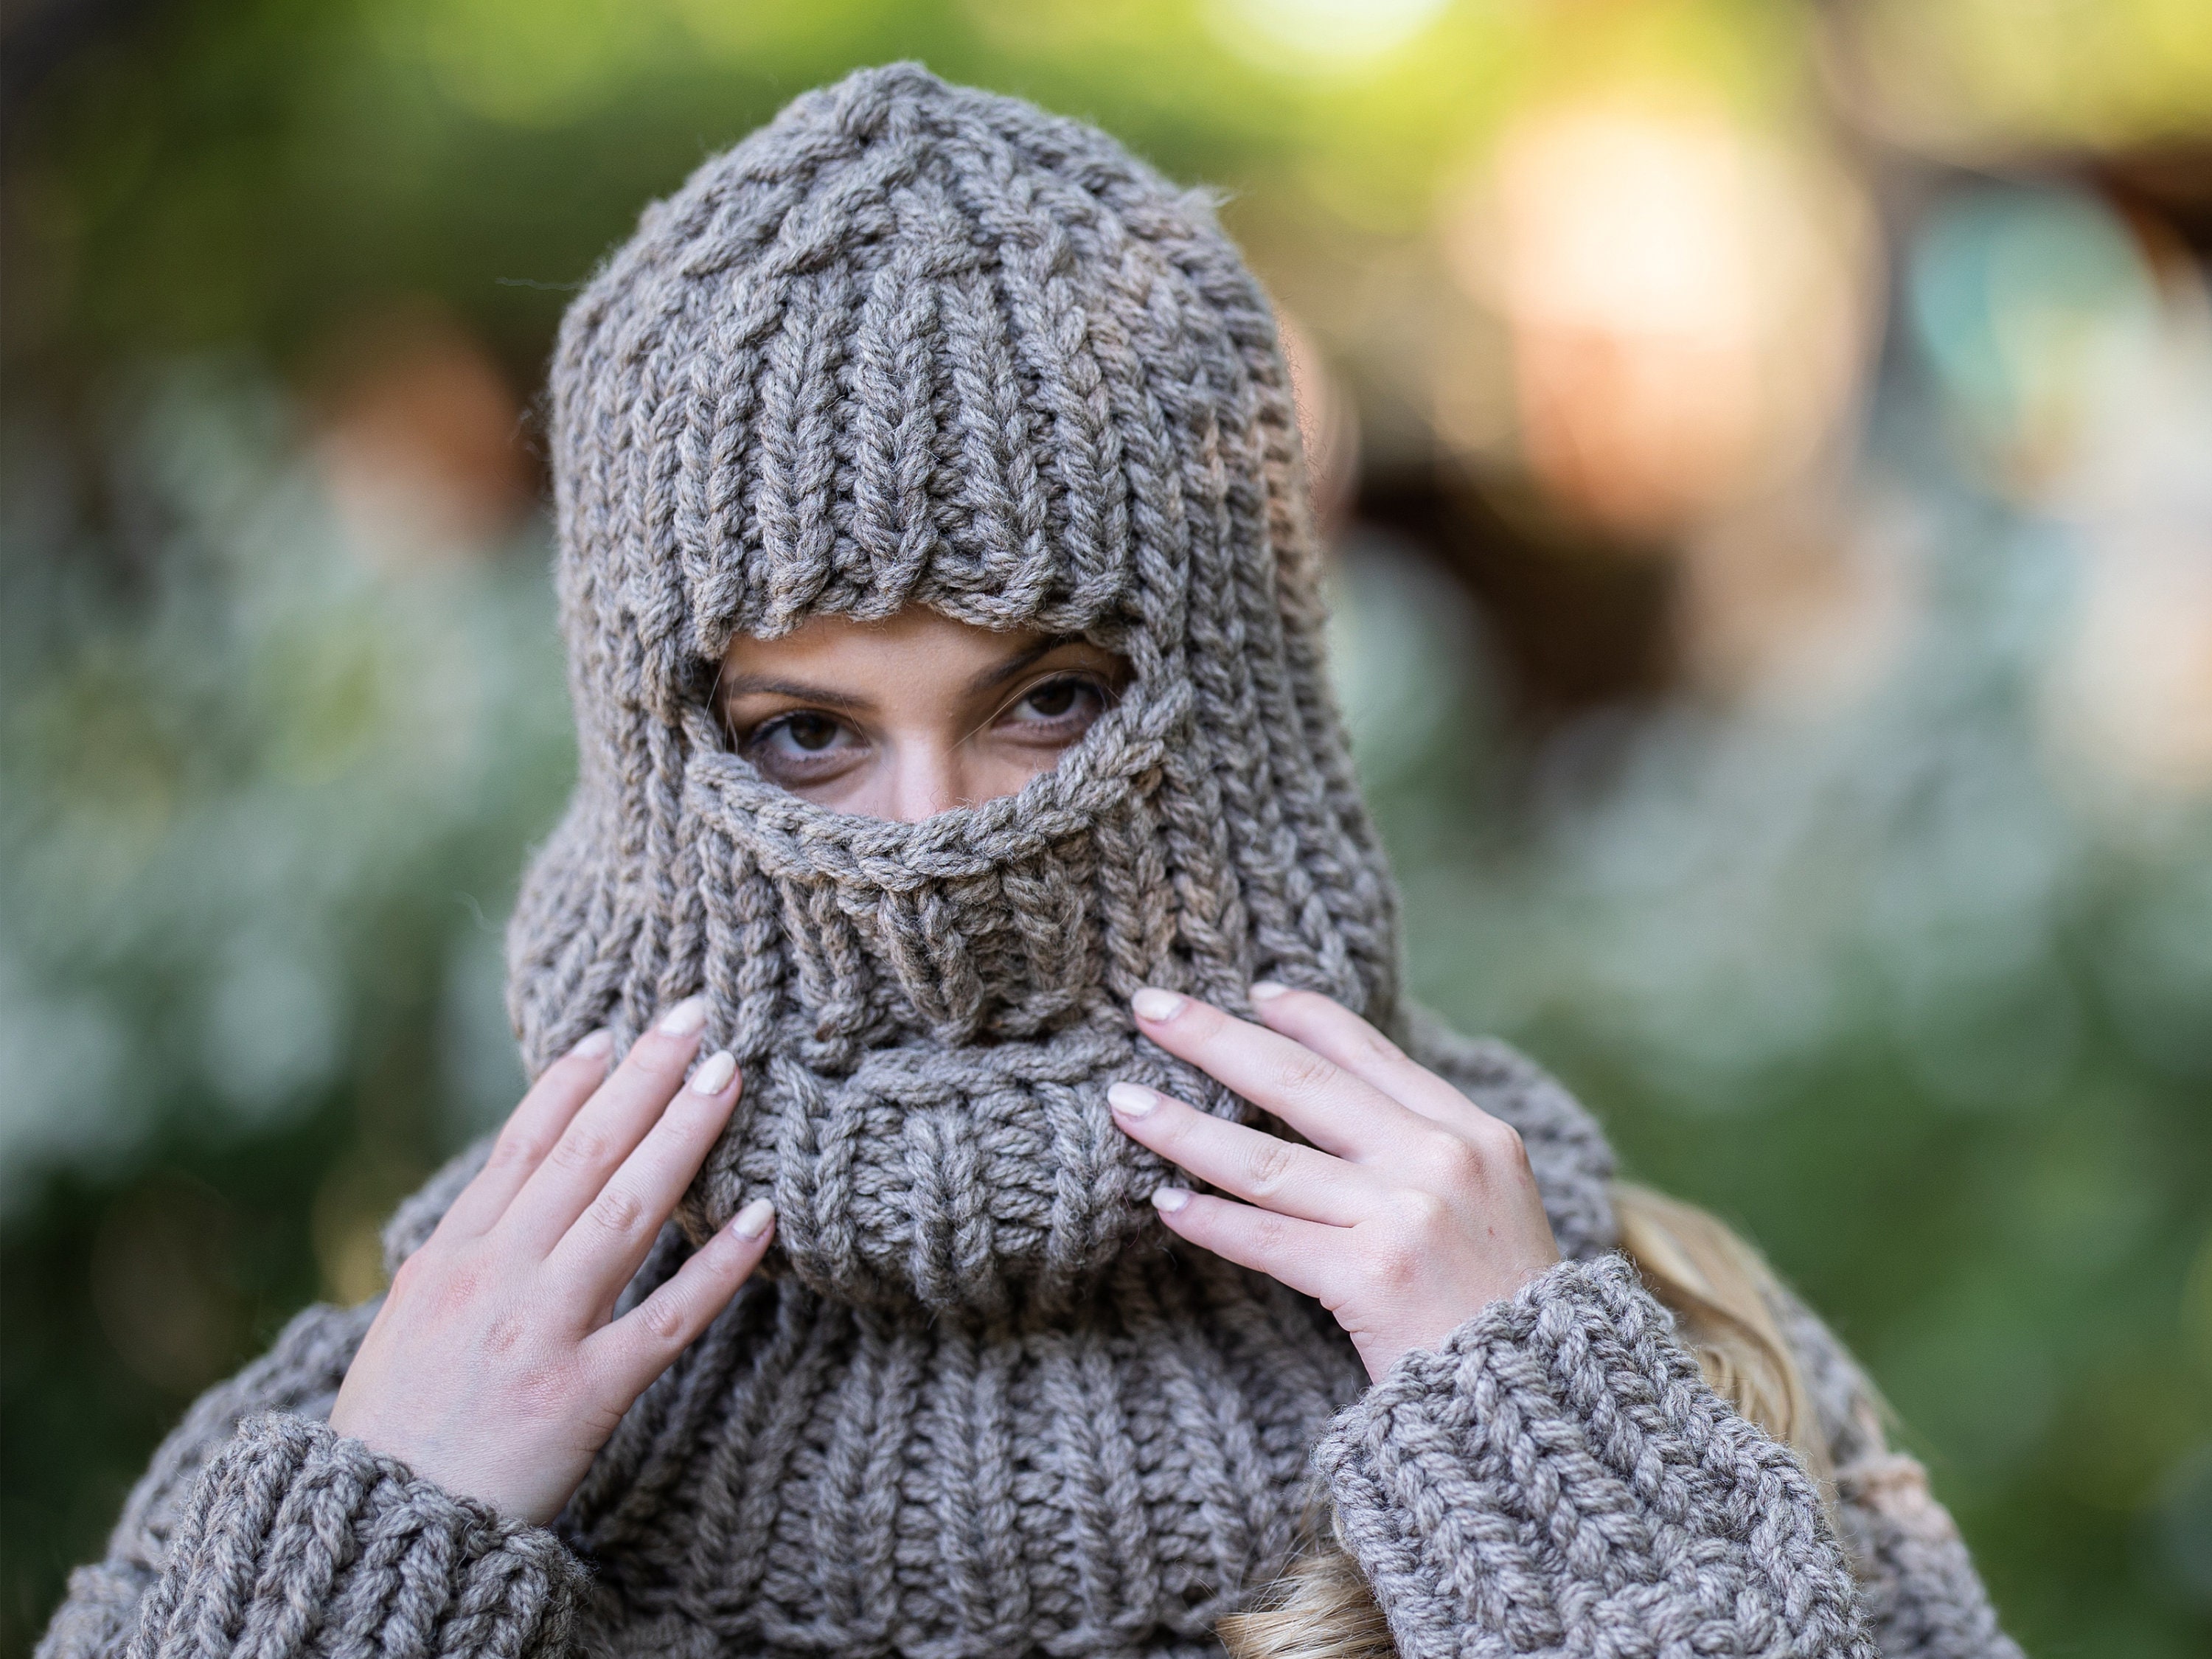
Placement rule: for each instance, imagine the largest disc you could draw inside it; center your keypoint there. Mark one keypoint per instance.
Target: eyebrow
(1021, 660)
(731, 686)
(751, 685)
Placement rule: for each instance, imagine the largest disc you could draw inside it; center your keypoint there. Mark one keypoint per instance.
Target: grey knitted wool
(912, 344)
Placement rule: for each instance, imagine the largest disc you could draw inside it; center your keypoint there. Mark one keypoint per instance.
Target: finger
(1320, 1099)
(1275, 1174)
(605, 1131)
(1337, 1034)
(646, 1341)
(530, 1132)
(1306, 1255)
(597, 1257)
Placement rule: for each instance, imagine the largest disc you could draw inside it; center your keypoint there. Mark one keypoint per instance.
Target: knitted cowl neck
(911, 343)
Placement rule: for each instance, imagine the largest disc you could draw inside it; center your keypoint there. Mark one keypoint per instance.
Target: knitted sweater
(1556, 1478)
(915, 345)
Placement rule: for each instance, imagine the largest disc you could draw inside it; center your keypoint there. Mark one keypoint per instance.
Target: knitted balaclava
(914, 344)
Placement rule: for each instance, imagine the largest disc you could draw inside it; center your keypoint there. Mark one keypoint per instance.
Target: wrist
(1430, 1326)
(456, 1458)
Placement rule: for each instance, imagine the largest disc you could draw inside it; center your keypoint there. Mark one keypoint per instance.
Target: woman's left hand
(1413, 1209)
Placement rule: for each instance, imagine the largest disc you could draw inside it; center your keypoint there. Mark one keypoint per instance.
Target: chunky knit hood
(911, 343)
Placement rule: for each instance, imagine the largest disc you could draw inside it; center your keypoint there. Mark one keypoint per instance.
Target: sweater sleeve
(1559, 1479)
(260, 1530)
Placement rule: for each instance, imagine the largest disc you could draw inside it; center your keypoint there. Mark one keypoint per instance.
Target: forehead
(916, 638)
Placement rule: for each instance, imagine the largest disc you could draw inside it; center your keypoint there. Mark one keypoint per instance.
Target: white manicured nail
(1169, 1199)
(1266, 990)
(597, 1043)
(752, 1221)
(1153, 1003)
(685, 1018)
(714, 1072)
(1131, 1099)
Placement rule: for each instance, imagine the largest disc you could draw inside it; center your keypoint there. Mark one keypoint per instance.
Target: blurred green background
(1769, 448)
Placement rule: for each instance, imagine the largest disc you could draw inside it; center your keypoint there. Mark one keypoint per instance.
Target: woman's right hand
(495, 1367)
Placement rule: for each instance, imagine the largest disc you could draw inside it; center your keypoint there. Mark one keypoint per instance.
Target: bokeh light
(1684, 305)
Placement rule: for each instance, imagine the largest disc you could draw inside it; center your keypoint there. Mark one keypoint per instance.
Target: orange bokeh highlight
(1688, 308)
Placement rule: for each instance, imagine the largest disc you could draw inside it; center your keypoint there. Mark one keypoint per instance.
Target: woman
(964, 841)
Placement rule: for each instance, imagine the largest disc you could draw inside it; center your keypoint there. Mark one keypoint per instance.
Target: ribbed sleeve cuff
(1558, 1478)
(295, 1539)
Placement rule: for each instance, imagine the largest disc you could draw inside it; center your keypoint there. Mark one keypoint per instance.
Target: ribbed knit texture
(915, 344)
(1561, 1467)
(912, 344)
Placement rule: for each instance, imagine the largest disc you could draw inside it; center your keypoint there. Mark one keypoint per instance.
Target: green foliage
(252, 825)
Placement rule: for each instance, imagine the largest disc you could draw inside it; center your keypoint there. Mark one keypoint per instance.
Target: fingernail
(1169, 1199)
(1131, 1099)
(685, 1018)
(597, 1043)
(1265, 990)
(714, 1072)
(752, 1221)
(1153, 1003)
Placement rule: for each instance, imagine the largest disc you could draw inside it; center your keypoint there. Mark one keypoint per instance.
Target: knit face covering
(911, 345)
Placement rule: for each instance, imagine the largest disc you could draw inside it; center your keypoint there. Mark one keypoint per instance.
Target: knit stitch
(911, 343)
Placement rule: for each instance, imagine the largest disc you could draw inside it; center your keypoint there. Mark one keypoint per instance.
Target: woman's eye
(1063, 707)
(811, 733)
(798, 739)
(1054, 699)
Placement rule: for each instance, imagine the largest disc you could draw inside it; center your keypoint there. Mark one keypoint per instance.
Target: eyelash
(1076, 677)
(762, 731)
(765, 730)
